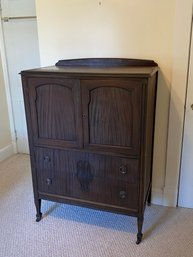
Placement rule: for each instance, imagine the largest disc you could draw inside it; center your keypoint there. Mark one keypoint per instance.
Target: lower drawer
(90, 177)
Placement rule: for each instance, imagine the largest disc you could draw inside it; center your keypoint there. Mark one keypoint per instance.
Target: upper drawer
(112, 114)
(60, 162)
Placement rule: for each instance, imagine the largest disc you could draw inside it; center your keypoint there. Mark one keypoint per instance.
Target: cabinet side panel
(149, 136)
(29, 122)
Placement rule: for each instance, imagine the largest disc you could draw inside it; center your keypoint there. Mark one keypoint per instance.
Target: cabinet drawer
(99, 165)
(98, 191)
(91, 177)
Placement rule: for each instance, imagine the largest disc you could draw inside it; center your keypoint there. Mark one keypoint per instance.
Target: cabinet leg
(38, 209)
(149, 198)
(140, 225)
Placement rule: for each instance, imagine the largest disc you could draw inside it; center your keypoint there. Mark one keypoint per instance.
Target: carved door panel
(56, 112)
(112, 114)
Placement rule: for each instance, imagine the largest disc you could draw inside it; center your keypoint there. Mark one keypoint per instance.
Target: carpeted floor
(70, 231)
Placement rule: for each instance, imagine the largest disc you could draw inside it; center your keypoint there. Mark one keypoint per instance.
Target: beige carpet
(70, 231)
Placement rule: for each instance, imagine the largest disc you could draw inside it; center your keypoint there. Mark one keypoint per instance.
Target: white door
(22, 52)
(186, 178)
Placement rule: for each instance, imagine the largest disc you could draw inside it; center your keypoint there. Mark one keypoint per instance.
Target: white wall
(115, 28)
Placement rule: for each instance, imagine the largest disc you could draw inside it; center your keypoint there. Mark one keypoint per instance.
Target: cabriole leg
(149, 198)
(139, 225)
(38, 209)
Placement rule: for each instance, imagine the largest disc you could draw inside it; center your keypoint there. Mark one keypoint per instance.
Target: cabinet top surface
(90, 71)
(98, 66)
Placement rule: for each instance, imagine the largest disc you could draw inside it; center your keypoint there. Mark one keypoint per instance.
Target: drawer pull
(123, 169)
(46, 158)
(48, 181)
(122, 194)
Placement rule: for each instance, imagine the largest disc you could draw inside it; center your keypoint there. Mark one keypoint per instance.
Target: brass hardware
(46, 158)
(122, 194)
(123, 169)
(48, 181)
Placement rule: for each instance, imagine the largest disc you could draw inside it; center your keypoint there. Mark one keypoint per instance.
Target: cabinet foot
(139, 234)
(139, 238)
(38, 209)
(149, 198)
(38, 217)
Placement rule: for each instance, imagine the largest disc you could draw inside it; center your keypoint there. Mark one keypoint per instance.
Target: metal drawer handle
(46, 158)
(123, 169)
(122, 194)
(48, 181)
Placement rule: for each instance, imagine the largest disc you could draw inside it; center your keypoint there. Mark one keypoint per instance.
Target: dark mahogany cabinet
(90, 126)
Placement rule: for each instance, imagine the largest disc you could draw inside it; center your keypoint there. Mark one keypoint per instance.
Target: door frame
(7, 87)
(18, 136)
(181, 54)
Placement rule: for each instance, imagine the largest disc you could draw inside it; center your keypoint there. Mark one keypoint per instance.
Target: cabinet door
(55, 111)
(112, 114)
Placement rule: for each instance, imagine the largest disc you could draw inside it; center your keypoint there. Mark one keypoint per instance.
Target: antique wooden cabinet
(90, 125)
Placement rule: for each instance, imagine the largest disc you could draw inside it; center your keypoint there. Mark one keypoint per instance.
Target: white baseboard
(7, 151)
(165, 197)
(170, 197)
(157, 196)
